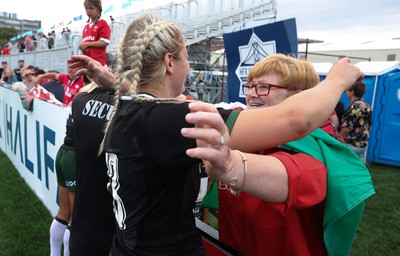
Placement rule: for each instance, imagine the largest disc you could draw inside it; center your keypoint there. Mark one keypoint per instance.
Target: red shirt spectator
(5, 50)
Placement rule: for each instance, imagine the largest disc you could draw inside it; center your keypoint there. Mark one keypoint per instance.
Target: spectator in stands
(96, 34)
(56, 88)
(193, 89)
(32, 68)
(4, 66)
(52, 38)
(8, 78)
(6, 50)
(28, 76)
(29, 44)
(39, 71)
(43, 43)
(35, 41)
(21, 45)
(14, 47)
(18, 70)
(200, 89)
(72, 84)
(66, 36)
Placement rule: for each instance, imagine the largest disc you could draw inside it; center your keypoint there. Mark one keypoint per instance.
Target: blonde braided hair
(140, 58)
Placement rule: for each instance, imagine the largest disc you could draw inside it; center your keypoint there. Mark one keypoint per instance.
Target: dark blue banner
(246, 47)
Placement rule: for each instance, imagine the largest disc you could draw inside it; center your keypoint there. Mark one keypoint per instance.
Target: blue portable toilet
(382, 79)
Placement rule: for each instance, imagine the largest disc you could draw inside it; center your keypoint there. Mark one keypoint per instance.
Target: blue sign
(246, 47)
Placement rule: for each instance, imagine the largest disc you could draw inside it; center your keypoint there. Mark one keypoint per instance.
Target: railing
(332, 55)
(198, 19)
(202, 19)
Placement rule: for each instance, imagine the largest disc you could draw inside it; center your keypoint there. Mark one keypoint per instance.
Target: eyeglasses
(30, 74)
(262, 88)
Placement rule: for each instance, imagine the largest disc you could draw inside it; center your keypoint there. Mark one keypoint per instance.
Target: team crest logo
(250, 54)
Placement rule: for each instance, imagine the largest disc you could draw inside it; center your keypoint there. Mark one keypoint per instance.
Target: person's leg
(60, 222)
(57, 230)
(67, 232)
(359, 151)
(66, 241)
(70, 178)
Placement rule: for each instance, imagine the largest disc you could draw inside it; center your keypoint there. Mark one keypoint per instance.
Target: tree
(6, 34)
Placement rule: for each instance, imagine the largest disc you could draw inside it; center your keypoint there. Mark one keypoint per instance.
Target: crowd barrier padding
(31, 141)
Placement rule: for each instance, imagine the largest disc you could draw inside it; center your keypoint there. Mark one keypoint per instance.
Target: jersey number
(113, 187)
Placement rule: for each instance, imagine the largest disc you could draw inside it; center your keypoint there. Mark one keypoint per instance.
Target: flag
(126, 4)
(37, 92)
(349, 184)
(109, 9)
(61, 24)
(53, 27)
(69, 23)
(78, 18)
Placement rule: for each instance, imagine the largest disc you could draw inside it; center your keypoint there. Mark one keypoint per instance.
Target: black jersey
(152, 180)
(69, 133)
(93, 219)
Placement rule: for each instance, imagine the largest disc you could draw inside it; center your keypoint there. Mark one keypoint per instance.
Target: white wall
(31, 141)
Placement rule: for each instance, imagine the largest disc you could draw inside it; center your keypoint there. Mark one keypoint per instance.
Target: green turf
(24, 220)
(379, 232)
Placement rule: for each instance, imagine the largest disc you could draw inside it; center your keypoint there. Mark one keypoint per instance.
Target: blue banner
(126, 4)
(109, 9)
(78, 18)
(246, 47)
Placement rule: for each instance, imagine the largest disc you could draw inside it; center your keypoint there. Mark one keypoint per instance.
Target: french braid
(140, 58)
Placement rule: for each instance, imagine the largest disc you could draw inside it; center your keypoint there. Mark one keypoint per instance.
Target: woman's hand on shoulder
(212, 138)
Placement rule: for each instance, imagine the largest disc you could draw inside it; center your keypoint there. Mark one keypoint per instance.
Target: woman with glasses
(28, 78)
(298, 222)
(296, 75)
